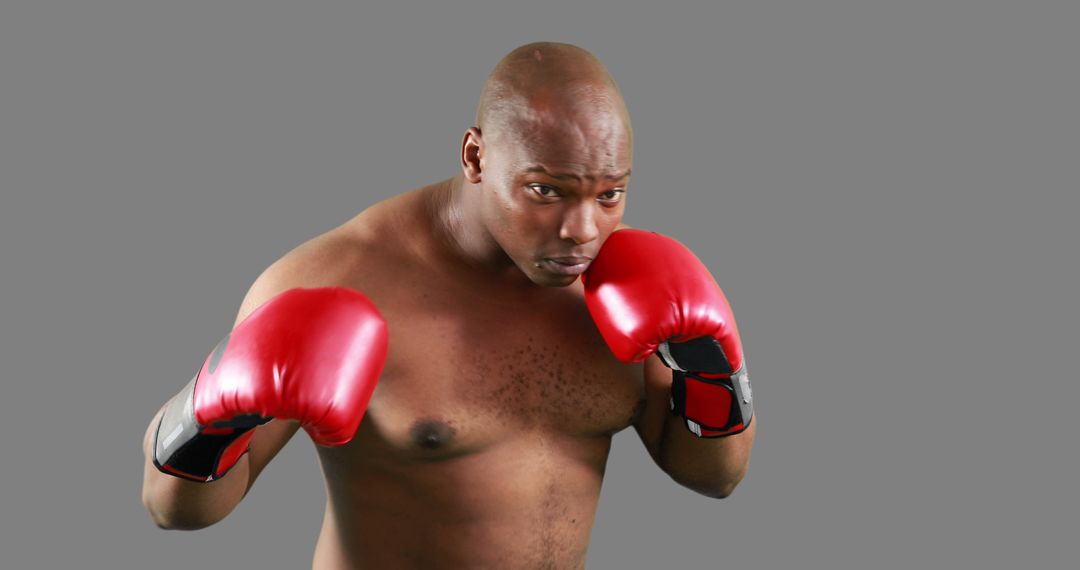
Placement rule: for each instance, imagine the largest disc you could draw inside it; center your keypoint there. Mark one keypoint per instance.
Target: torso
(485, 441)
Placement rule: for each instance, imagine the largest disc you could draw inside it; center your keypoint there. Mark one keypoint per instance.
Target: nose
(579, 224)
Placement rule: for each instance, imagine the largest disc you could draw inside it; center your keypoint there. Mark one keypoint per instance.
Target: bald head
(545, 82)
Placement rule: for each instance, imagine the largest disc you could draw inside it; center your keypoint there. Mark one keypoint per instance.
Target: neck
(456, 215)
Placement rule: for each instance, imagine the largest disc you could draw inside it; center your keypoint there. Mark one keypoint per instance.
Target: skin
(486, 439)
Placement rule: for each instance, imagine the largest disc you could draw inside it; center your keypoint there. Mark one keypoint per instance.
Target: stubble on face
(552, 106)
(579, 158)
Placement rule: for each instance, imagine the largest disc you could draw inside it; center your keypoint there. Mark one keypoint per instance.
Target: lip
(567, 265)
(571, 259)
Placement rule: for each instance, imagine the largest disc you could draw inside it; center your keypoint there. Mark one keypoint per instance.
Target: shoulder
(308, 265)
(342, 257)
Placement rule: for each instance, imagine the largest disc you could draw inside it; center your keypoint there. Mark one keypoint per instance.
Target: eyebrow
(542, 170)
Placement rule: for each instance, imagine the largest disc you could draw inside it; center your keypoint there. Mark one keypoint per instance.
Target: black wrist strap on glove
(712, 407)
(714, 400)
(186, 449)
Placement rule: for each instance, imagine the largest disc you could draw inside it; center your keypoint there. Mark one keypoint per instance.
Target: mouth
(567, 265)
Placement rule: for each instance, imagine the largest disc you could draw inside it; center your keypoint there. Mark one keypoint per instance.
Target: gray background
(887, 192)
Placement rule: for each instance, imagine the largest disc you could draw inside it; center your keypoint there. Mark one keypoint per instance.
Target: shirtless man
(484, 442)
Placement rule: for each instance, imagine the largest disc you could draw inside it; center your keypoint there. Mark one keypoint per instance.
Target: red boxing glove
(312, 355)
(648, 293)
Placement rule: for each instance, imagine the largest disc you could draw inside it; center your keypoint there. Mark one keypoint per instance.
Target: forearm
(710, 466)
(176, 503)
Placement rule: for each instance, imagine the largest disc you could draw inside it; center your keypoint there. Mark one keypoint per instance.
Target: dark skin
(486, 440)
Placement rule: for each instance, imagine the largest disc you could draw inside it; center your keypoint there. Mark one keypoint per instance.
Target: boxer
(462, 354)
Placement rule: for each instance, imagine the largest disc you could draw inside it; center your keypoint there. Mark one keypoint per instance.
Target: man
(484, 441)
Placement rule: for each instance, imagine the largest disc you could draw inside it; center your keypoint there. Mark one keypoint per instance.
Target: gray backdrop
(887, 192)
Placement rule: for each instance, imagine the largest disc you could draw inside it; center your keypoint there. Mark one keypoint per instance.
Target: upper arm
(651, 423)
(309, 265)
(268, 440)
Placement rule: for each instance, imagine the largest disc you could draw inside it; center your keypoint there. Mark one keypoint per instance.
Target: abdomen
(526, 502)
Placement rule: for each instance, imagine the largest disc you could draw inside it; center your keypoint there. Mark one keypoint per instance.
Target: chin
(545, 279)
(560, 281)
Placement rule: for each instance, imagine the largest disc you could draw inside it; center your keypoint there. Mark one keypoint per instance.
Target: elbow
(171, 521)
(176, 518)
(164, 522)
(713, 490)
(721, 488)
(719, 491)
(177, 504)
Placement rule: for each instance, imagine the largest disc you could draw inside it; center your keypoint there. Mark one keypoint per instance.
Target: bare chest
(466, 373)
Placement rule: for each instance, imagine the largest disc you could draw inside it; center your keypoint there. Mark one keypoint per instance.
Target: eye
(612, 196)
(544, 191)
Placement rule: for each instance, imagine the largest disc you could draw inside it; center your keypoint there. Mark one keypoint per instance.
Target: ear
(472, 151)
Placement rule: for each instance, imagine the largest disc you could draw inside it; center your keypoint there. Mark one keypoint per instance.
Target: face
(554, 192)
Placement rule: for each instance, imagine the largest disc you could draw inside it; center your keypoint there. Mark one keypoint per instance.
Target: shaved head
(542, 83)
(546, 167)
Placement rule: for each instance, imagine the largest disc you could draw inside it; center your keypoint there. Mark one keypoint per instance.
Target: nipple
(431, 434)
